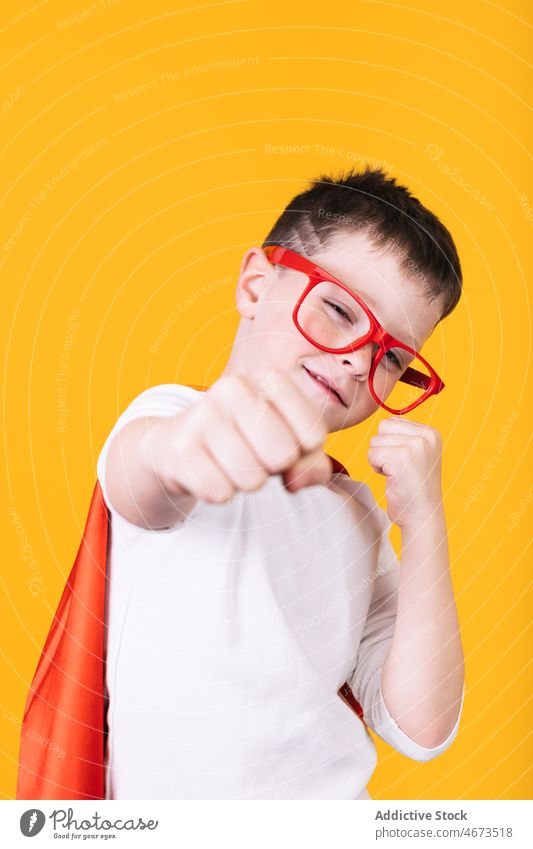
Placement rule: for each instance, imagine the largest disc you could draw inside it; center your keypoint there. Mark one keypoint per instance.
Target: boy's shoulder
(369, 510)
(373, 525)
(161, 400)
(167, 393)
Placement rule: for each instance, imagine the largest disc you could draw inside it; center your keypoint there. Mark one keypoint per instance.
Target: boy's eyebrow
(368, 299)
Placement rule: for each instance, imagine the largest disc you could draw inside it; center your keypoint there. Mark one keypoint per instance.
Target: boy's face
(268, 338)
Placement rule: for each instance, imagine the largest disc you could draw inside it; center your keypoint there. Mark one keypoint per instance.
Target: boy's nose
(359, 362)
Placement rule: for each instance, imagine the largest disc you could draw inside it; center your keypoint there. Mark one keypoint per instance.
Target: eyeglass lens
(332, 318)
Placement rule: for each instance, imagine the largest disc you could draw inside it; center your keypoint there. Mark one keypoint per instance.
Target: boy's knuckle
(436, 438)
(227, 388)
(279, 459)
(235, 383)
(419, 443)
(314, 436)
(217, 493)
(254, 481)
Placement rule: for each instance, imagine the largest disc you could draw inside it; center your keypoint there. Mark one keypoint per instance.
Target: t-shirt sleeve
(163, 400)
(376, 640)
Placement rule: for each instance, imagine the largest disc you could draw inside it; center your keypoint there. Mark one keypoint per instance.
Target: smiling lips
(326, 385)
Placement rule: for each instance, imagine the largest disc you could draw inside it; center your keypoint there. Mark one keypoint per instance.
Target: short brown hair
(388, 213)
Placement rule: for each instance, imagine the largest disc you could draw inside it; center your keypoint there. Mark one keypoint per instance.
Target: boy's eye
(393, 359)
(339, 310)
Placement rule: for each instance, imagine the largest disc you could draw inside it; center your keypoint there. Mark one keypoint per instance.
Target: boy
(247, 581)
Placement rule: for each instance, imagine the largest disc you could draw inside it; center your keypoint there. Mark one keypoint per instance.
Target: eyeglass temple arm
(419, 379)
(416, 378)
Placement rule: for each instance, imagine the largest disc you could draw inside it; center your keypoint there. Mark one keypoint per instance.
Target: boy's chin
(350, 418)
(336, 427)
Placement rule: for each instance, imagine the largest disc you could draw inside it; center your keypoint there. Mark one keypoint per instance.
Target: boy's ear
(252, 283)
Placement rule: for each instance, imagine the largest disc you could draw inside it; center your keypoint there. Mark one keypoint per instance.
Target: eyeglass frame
(376, 334)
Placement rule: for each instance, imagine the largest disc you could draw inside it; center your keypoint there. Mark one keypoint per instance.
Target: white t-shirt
(230, 634)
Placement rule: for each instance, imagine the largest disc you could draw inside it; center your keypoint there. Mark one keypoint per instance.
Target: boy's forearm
(422, 678)
(136, 485)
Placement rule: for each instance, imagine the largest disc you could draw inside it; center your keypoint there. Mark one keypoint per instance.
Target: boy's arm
(240, 432)
(422, 676)
(133, 482)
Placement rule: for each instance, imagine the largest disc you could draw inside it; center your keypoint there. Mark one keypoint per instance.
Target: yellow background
(126, 209)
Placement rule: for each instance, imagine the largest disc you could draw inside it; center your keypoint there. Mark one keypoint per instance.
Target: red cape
(64, 731)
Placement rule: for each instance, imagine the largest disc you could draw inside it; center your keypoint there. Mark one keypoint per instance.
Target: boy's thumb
(311, 469)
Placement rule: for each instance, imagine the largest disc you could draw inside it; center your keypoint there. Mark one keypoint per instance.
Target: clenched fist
(241, 431)
(409, 455)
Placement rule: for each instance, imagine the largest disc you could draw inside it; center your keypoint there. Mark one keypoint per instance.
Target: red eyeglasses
(336, 320)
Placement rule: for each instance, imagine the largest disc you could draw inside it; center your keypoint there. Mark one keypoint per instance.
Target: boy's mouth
(326, 386)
